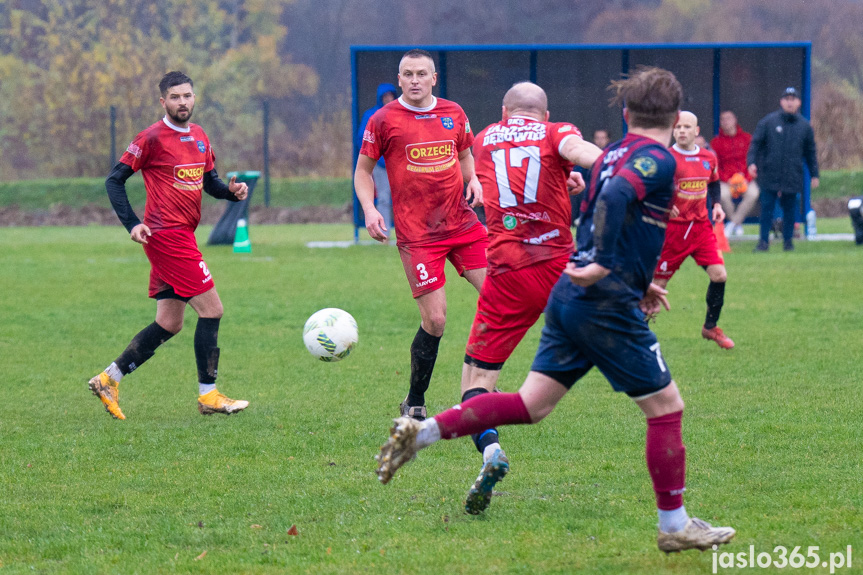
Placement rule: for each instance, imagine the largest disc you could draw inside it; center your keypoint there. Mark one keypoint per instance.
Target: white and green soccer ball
(330, 334)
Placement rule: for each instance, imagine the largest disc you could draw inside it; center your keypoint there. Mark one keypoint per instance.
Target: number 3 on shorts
(421, 272)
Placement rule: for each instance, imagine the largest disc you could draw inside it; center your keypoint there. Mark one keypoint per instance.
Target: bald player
(522, 163)
(696, 205)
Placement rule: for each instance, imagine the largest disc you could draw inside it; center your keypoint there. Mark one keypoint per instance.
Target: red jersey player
(177, 163)
(522, 163)
(690, 231)
(426, 144)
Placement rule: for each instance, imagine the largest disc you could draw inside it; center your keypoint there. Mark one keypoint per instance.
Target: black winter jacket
(780, 145)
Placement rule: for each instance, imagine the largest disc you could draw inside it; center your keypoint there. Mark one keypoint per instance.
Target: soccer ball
(330, 334)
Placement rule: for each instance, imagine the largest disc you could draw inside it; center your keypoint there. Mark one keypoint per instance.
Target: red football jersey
(694, 171)
(523, 176)
(173, 162)
(421, 148)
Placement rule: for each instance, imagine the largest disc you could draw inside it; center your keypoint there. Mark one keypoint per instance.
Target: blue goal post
(745, 78)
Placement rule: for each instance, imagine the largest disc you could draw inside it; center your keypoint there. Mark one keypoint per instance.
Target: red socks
(666, 460)
(483, 412)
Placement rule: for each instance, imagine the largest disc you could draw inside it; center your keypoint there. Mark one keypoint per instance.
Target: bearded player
(523, 163)
(177, 163)
(695, 207)
(425, 142)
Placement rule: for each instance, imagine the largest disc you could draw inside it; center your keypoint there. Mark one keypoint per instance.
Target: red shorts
(424, 265)
(176, 262)
(684, 239)
(509, 304)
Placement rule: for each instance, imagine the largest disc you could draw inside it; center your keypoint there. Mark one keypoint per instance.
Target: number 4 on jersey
(517, 156)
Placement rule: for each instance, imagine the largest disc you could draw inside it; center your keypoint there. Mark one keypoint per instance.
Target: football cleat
(697, 534)
(761, 247)
(108, 391)
(214, 402)
(400, 448)
(716, 334)
(479, 496)
(417, 412)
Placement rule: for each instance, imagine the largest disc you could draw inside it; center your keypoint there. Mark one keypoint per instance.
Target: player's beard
(181, 117)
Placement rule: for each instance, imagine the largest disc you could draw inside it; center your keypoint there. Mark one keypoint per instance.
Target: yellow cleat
(108, 391)
(214, 402)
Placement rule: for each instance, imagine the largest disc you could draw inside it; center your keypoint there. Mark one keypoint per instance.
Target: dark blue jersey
(624, 216)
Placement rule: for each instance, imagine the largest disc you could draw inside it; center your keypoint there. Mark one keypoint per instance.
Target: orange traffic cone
(721, 240)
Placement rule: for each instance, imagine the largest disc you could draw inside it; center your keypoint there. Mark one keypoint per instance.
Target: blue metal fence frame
(442, 50)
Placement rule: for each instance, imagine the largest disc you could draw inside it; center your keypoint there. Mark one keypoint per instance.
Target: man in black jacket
(782, 141)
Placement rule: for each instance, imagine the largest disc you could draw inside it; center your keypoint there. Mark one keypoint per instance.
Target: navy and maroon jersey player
(596, 315)
(523, 163)
(697, 204)
(425, 142)
(177, 164)
(642, 171)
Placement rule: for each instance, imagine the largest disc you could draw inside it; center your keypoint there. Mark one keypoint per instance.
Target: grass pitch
(772, 427)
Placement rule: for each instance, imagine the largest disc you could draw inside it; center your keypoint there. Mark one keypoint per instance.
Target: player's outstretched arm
(140, 233)
(587, 275)
(231, 191)
(364, 184)
(579, 151)
(468, 172)
(115, 185)
(575, 183)
(655, 298)
(240, 191)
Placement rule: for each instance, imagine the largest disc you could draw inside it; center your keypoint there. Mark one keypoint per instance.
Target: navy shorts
(580, 333)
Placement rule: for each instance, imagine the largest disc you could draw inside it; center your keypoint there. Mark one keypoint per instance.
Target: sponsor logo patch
(187, 139)
(692, 189)
(430, 156)
(447, 123)
(369, 137)
(510, 222)
(466, 126)
(189, 176)
(134, 150)
(647, 166)
(564, 129)
(425, 116)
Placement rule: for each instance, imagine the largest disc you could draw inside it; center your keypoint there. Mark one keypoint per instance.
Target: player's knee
(214, 311)
(434, 324)
(173, 325)
(718, 275)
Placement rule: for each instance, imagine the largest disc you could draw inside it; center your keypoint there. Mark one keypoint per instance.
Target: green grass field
(32, 195)
(773, 427)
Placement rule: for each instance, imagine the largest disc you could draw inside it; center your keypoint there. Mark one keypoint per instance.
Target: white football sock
(114, 372)
(429, 433)
(674, 520)
(489, 451)
(205, 388)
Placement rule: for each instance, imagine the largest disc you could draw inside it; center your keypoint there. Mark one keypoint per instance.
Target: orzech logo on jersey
(427, 154)
(201, 147)
(447, 122)
(189, 176)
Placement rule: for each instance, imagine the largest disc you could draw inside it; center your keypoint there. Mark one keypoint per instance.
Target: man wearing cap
(782, 142)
